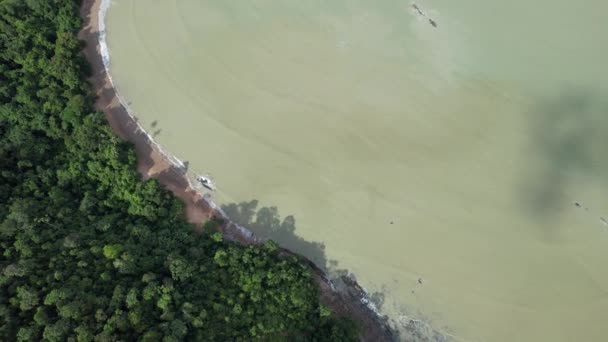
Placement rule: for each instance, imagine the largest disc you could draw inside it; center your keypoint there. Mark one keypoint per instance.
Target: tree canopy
(89, 251)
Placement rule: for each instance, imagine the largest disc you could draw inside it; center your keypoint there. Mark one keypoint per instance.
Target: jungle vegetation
(89, 251)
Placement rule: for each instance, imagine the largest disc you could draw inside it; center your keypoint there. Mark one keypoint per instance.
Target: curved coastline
(156, 162)
(178, 164)
(104, 52)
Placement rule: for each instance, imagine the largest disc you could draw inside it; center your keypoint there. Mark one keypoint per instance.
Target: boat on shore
(206, 182)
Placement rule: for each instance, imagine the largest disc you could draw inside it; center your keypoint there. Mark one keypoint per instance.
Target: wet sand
(154, 163)
(151, 161)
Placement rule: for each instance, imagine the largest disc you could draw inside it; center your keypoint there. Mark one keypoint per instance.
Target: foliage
(90, 252)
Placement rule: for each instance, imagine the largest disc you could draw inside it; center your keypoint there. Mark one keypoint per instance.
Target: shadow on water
(266, 223)
(568, 134)
(154, 130)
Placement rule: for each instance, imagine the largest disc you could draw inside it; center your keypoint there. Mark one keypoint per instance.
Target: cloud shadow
(567, 132)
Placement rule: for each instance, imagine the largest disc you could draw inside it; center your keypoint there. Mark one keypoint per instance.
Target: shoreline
(155, 162)
(152, 159)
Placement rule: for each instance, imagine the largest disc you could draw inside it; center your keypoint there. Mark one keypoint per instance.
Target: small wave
(105, 56)
(104, 51)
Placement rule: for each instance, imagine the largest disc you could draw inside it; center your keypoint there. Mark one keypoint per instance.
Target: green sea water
(458, 171)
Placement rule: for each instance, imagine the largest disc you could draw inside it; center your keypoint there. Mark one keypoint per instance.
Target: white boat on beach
(206, 182)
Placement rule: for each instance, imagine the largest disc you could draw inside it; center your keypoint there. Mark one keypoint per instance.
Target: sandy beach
(153, 162)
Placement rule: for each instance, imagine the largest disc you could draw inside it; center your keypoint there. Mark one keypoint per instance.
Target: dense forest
(90, 252)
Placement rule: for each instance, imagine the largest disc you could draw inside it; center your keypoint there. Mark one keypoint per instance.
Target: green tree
(112, 251)
(89, 251)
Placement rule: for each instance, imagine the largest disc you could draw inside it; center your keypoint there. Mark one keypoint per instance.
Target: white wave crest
(104, 51)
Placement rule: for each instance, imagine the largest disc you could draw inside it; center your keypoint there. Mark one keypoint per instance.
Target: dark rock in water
(578, 205)
(421, 13)
(419, 280)
(391, 222)
(414, 6)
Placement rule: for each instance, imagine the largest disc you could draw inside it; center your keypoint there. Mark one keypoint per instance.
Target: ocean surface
(457, 169)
